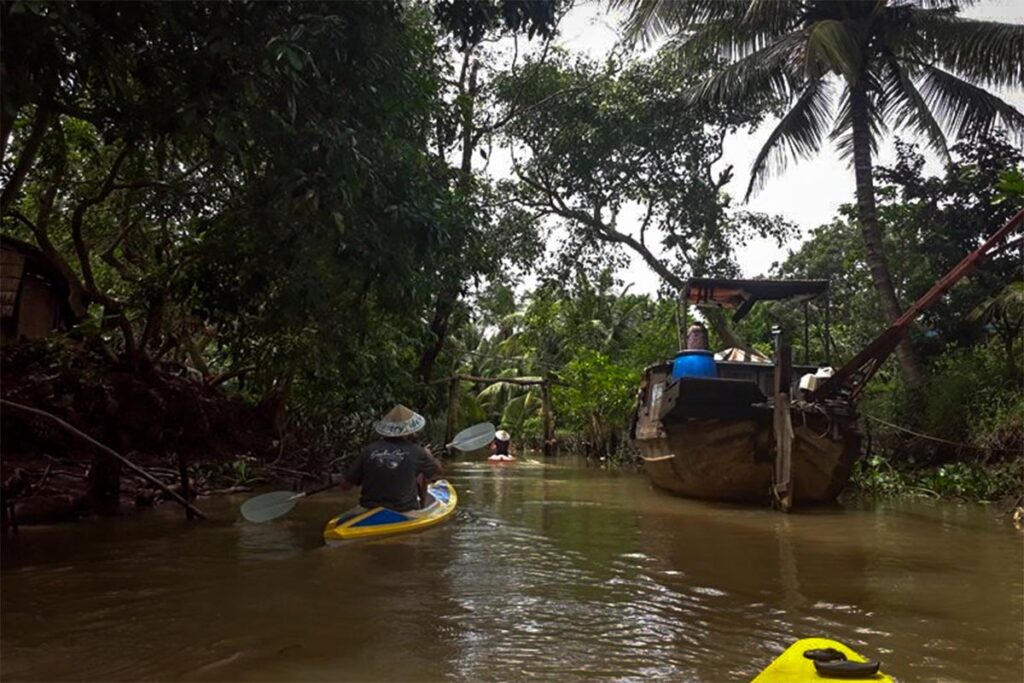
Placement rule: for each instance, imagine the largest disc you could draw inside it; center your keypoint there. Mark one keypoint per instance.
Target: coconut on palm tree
(850, 70)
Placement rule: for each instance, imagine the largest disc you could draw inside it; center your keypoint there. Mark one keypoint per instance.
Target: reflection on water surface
(549, 571)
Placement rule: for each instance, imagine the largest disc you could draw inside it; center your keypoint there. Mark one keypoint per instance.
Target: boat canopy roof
(743, 294)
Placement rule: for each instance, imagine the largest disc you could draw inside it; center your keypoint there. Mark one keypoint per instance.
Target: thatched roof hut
(33, 293)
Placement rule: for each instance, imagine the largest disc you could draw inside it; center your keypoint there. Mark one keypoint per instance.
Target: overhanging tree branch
(81, 248)
(40, 125)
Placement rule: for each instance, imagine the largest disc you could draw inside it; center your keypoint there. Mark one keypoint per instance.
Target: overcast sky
(809, 192)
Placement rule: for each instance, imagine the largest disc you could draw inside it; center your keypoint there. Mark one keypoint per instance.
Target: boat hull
(715, 439)
(732, 460)
(379, 521)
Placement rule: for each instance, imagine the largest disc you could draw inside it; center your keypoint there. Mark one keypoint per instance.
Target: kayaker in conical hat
(501, 446)
(394, 470)
(399, 422)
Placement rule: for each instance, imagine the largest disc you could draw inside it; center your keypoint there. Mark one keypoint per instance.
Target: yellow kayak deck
(792, 667)
(382, 521)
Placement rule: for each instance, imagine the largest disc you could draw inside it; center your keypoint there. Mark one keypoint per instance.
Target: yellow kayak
(383, 521)
(835, 661)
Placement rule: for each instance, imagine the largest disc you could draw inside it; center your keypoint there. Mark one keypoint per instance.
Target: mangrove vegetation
(262, 224)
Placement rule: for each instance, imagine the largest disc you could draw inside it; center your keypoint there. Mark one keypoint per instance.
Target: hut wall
(12, 266)
(38, 309)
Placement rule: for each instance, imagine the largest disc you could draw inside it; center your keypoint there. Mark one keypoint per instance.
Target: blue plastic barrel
(694, 363)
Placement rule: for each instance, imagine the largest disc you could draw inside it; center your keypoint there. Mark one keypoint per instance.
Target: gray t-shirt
(387, 469)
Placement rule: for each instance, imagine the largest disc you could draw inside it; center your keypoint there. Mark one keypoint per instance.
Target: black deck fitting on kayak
(846, 669)
(828, 654)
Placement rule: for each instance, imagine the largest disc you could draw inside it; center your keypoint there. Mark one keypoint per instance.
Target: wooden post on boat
(549, 426)
(782, 482)
(452, 417)
(680, 326)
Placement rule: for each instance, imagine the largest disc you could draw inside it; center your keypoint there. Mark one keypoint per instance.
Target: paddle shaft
(318, 489)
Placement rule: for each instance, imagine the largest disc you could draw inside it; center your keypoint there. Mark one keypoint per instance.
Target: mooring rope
(926, 436)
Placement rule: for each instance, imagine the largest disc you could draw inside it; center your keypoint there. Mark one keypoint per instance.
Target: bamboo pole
(64, 426)
(522, 381)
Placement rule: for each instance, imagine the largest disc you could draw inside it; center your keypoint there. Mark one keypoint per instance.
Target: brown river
(548, 572)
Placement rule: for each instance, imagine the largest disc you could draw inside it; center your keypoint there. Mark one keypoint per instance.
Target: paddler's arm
(353, 475)
(429, 465)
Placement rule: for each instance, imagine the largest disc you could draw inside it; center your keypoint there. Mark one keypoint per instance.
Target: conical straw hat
(502, 435)
(400, 421)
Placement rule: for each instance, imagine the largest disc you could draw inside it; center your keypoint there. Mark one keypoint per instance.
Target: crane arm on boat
(851, 379)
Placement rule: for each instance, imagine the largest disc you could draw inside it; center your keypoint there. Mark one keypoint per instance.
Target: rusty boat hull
(715, 439)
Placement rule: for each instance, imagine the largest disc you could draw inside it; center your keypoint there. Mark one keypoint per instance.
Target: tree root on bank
(47, 509)
(54, 421)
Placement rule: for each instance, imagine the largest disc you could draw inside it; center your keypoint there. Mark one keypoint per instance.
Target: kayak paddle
(472, 438)
(268, 506)
(276, 503)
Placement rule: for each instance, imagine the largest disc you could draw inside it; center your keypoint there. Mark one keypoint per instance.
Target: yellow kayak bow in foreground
(820, 659)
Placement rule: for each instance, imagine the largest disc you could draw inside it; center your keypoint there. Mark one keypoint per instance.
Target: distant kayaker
(502, 444)
(393, 471)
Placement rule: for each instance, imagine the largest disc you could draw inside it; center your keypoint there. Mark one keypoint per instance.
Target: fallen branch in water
(70, 475)
(226, 492)
(288, 470)
(64, 426)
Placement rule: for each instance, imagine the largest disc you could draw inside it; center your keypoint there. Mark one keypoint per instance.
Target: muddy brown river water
(548, 572)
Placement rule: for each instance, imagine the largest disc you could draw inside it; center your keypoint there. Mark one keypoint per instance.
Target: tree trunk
(452, 414)
(29, 152)
(867, 216)
(104, 484)
(8, 115)
(549, 422)
(439, 332)
(274, 403)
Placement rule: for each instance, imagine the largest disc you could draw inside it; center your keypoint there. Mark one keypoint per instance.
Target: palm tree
(892, 63)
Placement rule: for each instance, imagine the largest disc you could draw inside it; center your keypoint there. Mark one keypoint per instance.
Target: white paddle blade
(473, 438)
(269, 506)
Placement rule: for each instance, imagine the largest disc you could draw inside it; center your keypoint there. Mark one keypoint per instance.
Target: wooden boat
(380, 521)
(718, 437)
(817, 659)
(754, 431)
(498, 459)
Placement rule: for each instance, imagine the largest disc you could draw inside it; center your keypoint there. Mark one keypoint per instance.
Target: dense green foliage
(589, 335)
(971, 341)
(601, 142)
(876, 476)
(251, 189)
(295, 199)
